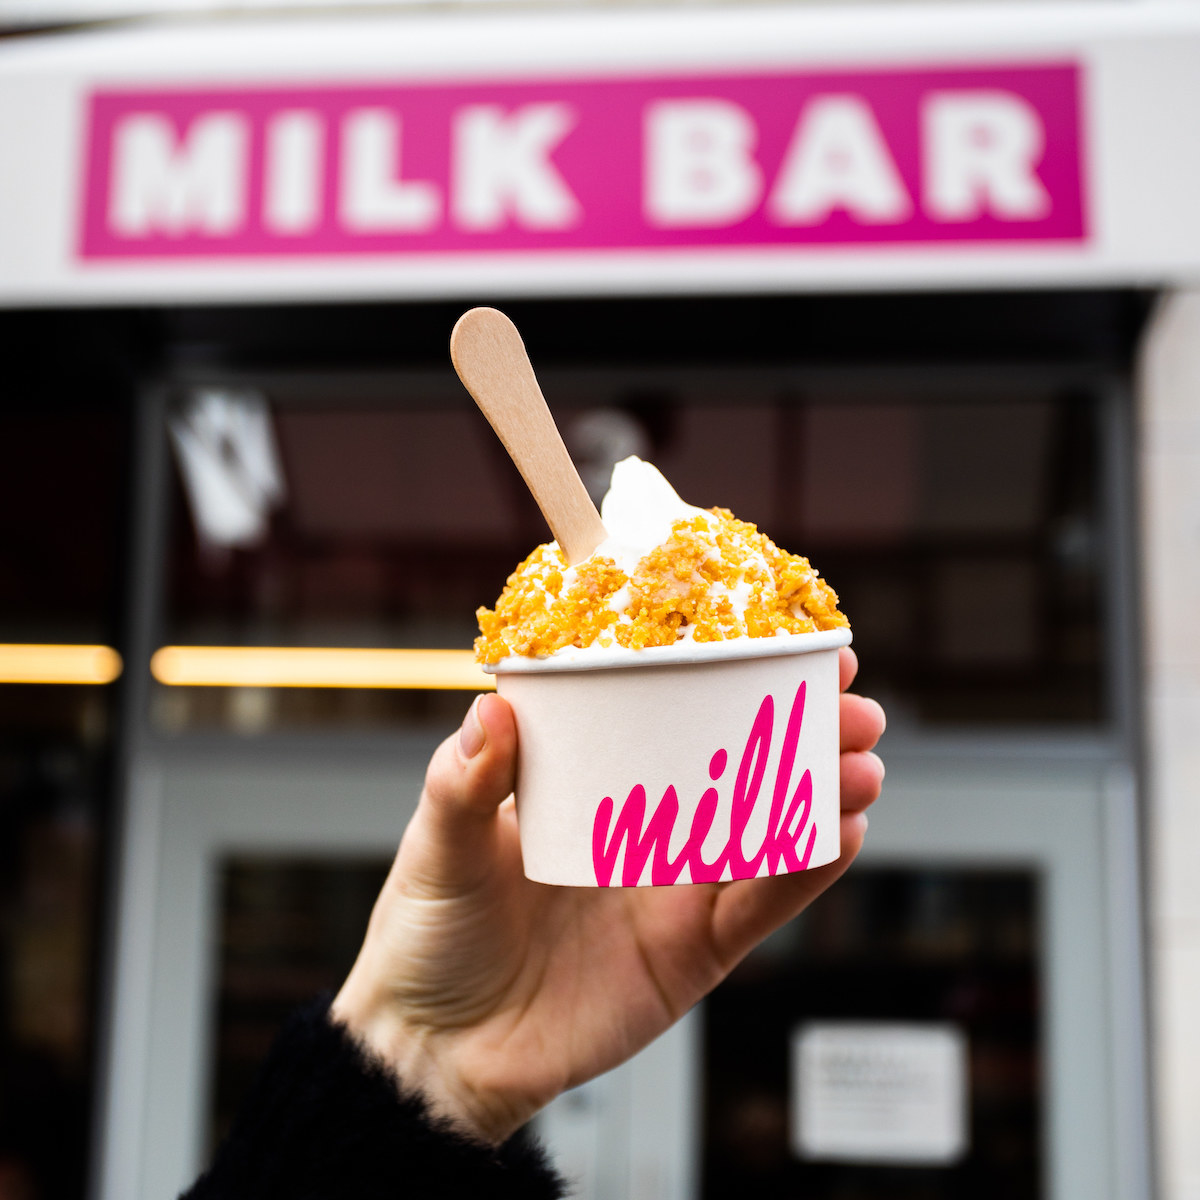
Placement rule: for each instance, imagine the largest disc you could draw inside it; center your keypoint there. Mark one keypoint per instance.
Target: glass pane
(61, 481)
(952, 955)
(59, 472)
(965, 540)
(289, 929)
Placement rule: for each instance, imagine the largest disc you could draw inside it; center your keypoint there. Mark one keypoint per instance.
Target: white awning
(581, 152)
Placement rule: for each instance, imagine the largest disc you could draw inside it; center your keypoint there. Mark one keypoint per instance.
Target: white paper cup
(677, 764)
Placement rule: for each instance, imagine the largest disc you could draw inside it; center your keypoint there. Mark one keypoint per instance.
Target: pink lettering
(783, 835)
(639, 845)
(702, 823)
(745, 790)
(648, 842)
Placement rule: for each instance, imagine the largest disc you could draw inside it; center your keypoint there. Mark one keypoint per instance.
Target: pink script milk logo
(970, 155)
(789, 835)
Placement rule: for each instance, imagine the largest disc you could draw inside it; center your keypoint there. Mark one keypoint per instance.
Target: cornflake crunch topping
(714, 578)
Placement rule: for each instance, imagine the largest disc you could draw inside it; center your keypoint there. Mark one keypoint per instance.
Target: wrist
(421, 1060)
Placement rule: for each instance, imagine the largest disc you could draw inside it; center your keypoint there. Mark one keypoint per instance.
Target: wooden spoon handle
(490, 359)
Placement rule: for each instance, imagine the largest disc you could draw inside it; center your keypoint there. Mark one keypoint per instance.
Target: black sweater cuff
(325, 1121)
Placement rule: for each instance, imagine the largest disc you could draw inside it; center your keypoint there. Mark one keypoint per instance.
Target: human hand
(490, 994)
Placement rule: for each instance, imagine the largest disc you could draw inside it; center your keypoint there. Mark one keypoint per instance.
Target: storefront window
(960, 522)
(59, 472)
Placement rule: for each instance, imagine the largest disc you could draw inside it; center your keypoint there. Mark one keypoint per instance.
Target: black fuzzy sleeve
(324, 1121)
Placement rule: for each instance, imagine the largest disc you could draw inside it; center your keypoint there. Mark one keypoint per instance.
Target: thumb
(454, 837)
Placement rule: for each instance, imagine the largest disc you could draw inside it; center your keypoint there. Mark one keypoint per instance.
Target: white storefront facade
(421, 156)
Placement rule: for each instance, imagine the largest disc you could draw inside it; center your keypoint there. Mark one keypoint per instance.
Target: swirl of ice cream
(668, 572)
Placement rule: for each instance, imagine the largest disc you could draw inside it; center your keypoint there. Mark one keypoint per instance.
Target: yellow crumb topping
(714, 578)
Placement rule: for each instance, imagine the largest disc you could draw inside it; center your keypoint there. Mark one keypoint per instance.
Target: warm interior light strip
(30, 662)
(309, 667)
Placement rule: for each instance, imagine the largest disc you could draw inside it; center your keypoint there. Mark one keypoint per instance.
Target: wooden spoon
(490, 359)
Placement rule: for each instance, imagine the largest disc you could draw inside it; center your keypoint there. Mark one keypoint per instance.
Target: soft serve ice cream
(668, 573)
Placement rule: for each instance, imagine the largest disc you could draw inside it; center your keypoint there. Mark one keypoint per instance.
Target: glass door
(986, 914)
(960, 1016)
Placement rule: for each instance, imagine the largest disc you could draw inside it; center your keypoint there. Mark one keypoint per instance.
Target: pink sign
(837, 158)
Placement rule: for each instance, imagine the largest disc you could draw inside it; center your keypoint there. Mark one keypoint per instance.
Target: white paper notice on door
(879, 1092)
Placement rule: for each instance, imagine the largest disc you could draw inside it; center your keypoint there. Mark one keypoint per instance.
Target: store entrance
(962, 1014)
(955, 1019)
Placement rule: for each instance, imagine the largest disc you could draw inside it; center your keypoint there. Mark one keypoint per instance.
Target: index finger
(847, 667)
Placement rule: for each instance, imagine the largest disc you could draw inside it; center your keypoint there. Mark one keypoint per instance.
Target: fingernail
(883, 717)
(882, 768)
(472, 735)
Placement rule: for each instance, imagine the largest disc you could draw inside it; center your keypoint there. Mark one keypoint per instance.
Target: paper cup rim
(685, 653)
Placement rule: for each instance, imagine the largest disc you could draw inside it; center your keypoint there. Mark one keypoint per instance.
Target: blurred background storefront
(908, 287)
